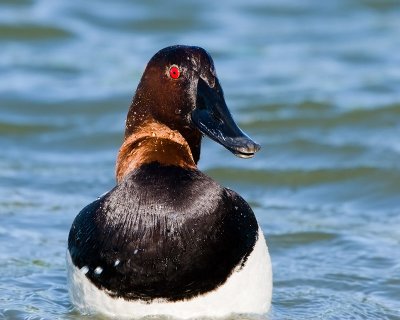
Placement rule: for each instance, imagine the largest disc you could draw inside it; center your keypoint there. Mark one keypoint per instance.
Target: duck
(168, 239)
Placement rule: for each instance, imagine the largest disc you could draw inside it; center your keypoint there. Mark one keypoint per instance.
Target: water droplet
(236, 207)
(139, 144)
(84, 269)
(153, 134)
(136, 251)
(178, 111)
(98, 270)
(116, 262)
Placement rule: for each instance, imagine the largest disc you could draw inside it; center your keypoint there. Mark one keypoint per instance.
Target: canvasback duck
(168, 239)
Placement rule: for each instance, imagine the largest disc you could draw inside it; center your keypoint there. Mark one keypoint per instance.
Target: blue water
(316, 83)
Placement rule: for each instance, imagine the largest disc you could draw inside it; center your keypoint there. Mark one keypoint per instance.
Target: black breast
(164, 232)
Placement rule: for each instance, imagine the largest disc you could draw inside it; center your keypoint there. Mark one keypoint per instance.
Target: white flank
(248, 290)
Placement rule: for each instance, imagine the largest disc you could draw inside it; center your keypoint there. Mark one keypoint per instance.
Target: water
(316, 83)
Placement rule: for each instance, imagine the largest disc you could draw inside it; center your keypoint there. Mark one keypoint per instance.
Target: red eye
(174, 72)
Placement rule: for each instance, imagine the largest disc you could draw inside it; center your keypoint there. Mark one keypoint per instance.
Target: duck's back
(164, 232)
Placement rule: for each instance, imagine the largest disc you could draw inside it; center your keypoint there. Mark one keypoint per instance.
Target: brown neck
(154, 142)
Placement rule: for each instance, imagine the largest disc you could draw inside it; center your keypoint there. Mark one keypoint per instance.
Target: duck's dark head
(180, 90)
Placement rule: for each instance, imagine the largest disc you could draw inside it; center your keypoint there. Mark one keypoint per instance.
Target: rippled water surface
(317, 83)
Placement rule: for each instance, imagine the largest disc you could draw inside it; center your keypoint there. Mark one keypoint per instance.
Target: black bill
(213, 119)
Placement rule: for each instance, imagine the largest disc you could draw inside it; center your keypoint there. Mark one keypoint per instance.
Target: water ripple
(29, 32)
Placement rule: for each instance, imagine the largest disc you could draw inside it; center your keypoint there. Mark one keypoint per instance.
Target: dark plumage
(175, 232)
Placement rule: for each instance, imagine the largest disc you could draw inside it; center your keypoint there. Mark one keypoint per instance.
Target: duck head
(179, 89)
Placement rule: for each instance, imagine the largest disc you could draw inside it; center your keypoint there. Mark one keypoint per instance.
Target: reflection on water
(317, 84)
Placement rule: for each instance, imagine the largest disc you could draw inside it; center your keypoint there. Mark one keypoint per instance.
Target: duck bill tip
(246, 150)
